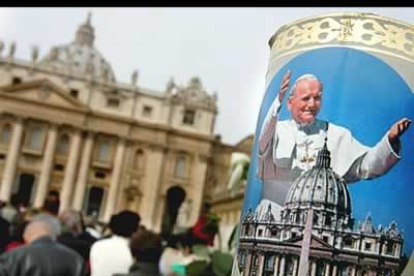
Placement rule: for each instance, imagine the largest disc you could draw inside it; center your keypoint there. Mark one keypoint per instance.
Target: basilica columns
(282, 266)
(276, 269)
(313, 268)
(11, 161)
(69, 178)
(197, 183)
(354, 270)
(295, 266)
(83, 172)
(334, 270)
(261, 265)
(153, 176)
(115, 179)
(327, 267)
(246, 271)
(46, 167)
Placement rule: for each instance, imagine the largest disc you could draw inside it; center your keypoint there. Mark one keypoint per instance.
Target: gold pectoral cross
(307, 158)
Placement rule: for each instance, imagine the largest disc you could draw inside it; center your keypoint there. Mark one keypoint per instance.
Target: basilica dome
(322, 190)
(80, 56)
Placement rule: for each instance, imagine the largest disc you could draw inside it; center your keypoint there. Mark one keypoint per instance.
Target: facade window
(270, 262)
(59, 167)
(113, 102)
(16, 80)
(390, 248)
(147, 111)
(5, 134)
(348, 242)
(328, 220)
(345, 271)
(35, 139)
(139, 159)
(289, 266)
(180, 169)
(320, 268)
(315, 219)
(189, 117)
(74, 93)
(297, 217)
(104, 151)
(368, 246)
(100, 175)
(62, 146)
(260, 232)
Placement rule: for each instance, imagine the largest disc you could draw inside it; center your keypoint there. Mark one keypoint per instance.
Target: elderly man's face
(305, 101)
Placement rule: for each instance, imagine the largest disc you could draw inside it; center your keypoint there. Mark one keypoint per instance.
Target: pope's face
(306, 100)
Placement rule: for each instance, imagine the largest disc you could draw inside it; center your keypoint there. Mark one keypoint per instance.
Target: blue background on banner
(365, 95)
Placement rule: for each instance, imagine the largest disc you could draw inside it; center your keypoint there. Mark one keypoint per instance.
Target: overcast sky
(226, 47)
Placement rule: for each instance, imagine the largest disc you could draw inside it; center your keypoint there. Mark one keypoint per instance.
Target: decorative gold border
(364, 31)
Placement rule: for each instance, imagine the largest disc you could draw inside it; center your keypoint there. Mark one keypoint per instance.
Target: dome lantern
(80, 57)
(85, 35)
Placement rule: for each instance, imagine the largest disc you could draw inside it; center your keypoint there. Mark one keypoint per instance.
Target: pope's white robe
(286, 149)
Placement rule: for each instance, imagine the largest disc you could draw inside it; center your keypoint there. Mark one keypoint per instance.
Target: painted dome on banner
(320, 188)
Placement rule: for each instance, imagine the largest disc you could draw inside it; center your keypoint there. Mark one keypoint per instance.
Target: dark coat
(142, 269)
(43, 257)
(4, 234)
(81, 244)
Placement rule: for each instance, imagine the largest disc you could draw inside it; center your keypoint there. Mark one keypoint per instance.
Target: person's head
(72, 221)
(16, 201)
(146, 246)
(52, 203)
(206, 208)
(305, 98)
(35, 230)
(184, 242)
(125, 223)
(53, 223)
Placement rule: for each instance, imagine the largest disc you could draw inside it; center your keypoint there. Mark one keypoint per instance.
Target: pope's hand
(284, 86)
(396, 131)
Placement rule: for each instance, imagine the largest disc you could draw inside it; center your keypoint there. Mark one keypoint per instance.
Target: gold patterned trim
(360, 30)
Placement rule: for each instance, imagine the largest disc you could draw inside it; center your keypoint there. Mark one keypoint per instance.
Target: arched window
(180, 169)
(5, 134)
(62, 146)
(35, 138)
(104, 151)
(139, 159)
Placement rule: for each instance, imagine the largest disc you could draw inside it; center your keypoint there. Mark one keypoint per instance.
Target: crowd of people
(44, 241)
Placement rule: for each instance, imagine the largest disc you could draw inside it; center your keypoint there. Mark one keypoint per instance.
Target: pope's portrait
(286, 148)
